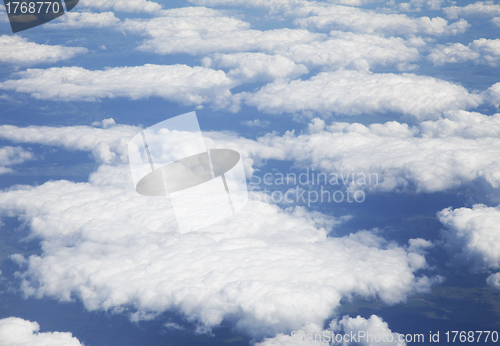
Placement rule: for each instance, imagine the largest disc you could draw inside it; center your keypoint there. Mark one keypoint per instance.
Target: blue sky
(406, 92)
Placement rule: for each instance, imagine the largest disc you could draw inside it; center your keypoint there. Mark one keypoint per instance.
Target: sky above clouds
(406, 91)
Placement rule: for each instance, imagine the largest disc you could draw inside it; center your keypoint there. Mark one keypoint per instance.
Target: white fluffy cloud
(486, 8)
(356, 51)
(492, 95)
(107, 145)
(329, 16)
(255, 66)
(19, 51)
(334, 17)
(203, 30)
(18, 332)
(418, 5)
(200, 30)
(494, 280)
(457, 150)
(364, 332)
(481, 51)
(79, 20)
(122, 5)
(356, 92)
(473, 235)
(269, 269)
(343, 92)
(177, 83)
(11, 156)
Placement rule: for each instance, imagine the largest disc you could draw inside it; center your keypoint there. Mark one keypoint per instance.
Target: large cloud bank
(267, 269)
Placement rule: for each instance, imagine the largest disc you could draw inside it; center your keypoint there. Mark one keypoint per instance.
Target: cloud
(482, 51)
(107, 145)
(357, 92)
(459, 150)
(473, 236)
(355, 51)
(15, 331)
(270, 270)
(11, 156)
(136, 6)
(418, 5)
(19, 51)
(200, 30)
(325, 16)
(79, 20)
(347, 331)
(256, 123)
(492, 95)
(494, 280)
(177, 83)
(480, 8)
(255, 66)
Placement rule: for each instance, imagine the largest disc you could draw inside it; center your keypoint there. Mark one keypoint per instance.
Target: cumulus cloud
(200, 30)
(255, 66)
(347, 331)
(15, 331)
(19, 51)
(11, 156)
(357, 92)
(492, 95)
(355, 51)
(79, 20)
(326, 16)
(418, 5)
(494, 280)
(480, 8)
(203, 30)
(122, 5)
(481, 51)
(270, 269)
(107, 145)
(177, 83)
(457, 150)
(256, 123)
(473, 236)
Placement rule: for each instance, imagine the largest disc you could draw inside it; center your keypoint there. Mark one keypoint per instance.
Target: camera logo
(171, 159)
(28, 14)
